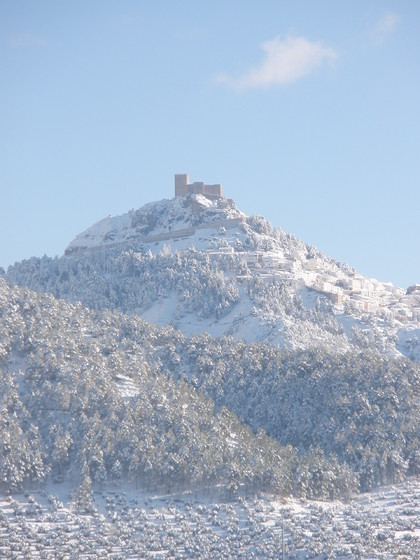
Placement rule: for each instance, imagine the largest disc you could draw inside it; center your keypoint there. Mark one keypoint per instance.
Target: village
(365, 295)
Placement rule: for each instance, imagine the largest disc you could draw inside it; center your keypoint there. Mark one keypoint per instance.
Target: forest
(98, 397)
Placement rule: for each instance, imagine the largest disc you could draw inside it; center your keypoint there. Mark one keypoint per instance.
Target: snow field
(130, 523)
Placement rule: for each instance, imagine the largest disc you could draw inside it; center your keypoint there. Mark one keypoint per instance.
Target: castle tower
(181, 184)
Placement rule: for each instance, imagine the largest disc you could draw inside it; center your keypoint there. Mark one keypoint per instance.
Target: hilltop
(158, 221)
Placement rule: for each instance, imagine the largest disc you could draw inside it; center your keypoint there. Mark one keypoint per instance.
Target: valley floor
(129, 523)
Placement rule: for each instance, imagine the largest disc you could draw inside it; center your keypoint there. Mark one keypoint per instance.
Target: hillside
(93, 396)
(201, 265)
(123, 437)
(84, 397)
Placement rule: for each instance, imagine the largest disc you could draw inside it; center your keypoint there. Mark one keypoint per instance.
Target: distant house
(272, 260)
(415, 288)
(183, 187)
(336, 298)
(253, 258)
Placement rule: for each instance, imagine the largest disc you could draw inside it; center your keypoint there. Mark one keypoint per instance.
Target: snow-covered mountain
(202, 265)
(133, 439)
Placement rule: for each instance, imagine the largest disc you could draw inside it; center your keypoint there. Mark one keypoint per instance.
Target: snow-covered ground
(126, 387)
(130, 523)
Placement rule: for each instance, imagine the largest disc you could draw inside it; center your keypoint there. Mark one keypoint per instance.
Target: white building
(253, 258)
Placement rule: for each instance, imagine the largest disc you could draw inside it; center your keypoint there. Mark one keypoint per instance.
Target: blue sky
(307, 112)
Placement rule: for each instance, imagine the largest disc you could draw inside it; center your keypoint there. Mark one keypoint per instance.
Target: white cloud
(24, 40)
(386, 24)
(285, 61)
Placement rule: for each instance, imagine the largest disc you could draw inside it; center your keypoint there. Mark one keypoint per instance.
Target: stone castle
(183, 187)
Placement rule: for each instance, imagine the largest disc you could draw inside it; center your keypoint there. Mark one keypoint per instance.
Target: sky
(307, 112)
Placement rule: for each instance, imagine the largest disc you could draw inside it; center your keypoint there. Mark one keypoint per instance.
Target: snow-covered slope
(167, 219)
(130, 523)
(203, 266)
